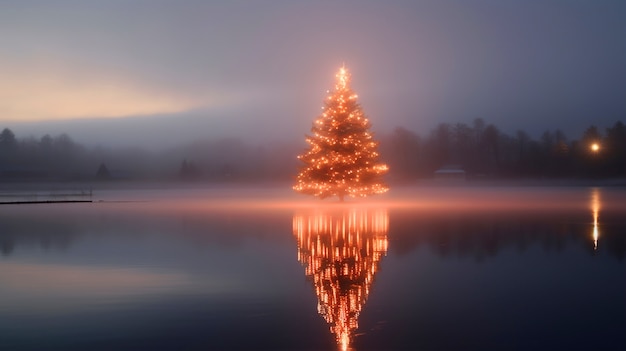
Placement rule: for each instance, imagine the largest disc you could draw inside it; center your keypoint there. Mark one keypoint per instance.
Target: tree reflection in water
(341, 251)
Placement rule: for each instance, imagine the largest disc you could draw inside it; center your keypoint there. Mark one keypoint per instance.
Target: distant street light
(595, 147)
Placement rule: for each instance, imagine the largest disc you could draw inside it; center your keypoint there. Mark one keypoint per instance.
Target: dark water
(425, 269)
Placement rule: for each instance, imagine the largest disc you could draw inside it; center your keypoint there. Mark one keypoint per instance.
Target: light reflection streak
(341, 253)
(595, 211)
(62, 288)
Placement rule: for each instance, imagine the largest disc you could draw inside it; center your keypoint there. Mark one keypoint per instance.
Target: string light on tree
(342, 159)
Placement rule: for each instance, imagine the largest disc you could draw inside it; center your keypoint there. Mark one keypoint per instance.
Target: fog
(466, 218)
(197, 267)
(159, 74)
(426, 198)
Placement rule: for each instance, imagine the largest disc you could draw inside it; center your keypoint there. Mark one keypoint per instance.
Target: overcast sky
(185, 69)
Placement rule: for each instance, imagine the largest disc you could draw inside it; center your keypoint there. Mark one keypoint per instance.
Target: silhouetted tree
(7, 140)
(8, 148)
(440, 145)
(491, 137)
(103, 172)
(479, 128)
(591, 160)
(462, 144)
(591, 134)
(188, 170)
(615, 149)
(402, 151)
(522, 140)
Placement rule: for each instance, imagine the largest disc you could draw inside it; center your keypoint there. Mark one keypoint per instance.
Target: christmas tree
(342, 158)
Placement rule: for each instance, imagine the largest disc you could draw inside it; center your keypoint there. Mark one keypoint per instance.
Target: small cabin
(450, 173)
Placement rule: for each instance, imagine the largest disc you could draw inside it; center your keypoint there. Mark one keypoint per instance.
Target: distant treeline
(481, 150)
(59, 158)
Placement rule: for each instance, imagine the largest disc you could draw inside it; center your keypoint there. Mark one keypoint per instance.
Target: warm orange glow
(52, 94)
(342, 159)
(595, 147)
(341, 253)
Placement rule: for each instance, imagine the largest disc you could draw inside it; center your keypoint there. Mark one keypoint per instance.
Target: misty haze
(279, 175)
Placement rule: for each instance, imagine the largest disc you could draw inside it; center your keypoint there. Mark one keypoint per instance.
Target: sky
(157, 72)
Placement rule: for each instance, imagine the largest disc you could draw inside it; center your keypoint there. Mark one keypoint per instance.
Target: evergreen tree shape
(342, 158)
(103, 172)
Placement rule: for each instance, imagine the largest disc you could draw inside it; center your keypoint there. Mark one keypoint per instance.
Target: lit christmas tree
(342, 158)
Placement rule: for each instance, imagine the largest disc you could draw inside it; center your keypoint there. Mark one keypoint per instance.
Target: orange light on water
(595, 212)
(341, 253)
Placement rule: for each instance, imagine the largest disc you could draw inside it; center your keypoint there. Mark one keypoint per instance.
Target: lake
(425, 268)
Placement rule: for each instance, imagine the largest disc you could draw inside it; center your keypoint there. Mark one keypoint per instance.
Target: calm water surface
(421, 269)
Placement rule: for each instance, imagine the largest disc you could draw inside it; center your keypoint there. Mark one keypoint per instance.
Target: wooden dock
(45, 197)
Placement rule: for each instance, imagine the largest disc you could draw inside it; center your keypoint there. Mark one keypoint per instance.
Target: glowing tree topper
(342, 158)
